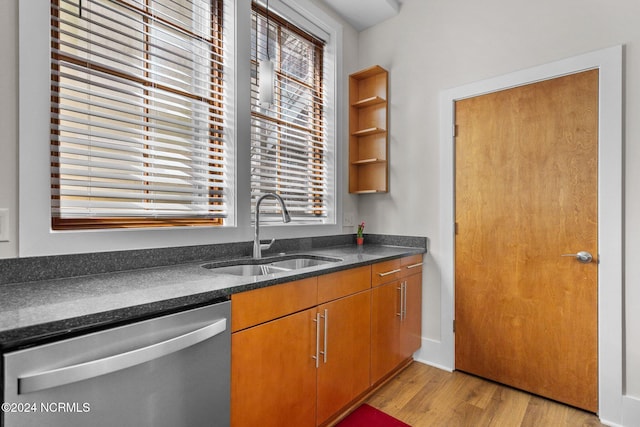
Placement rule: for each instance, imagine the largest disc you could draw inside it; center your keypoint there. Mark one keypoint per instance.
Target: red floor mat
(368, 416)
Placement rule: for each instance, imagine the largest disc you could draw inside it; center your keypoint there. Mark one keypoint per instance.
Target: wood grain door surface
(385, 330)
(273, 377)
(344, 373)
(411, 329)
(526, 193)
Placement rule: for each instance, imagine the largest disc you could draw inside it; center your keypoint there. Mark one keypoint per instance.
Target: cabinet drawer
(342, 283)
(411, 264)
(262, 305)
(385, 272)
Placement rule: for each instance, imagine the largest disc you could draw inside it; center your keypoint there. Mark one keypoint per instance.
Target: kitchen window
(290, 150)
(139, 114)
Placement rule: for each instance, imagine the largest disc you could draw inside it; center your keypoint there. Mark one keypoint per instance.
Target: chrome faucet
(257, 246)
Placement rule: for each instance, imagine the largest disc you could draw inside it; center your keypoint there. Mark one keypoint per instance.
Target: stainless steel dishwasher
(171, 371)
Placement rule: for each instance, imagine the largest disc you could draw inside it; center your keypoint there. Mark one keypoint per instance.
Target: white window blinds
(138, 113)
(288, 137)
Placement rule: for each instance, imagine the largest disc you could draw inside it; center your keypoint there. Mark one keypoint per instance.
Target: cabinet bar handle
(404, 300)
(326, 323)
(414, 265)
(389, 272)
(317, 356)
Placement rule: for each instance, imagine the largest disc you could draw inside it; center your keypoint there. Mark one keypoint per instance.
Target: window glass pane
(138, 113)
(288, 142)
(297, 57)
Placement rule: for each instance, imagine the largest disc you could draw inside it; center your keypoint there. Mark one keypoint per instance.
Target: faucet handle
(267, 245)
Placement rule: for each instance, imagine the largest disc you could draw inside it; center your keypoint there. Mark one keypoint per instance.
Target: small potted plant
(359, 235)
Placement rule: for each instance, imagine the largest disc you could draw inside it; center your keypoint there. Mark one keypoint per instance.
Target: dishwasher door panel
(169, 371)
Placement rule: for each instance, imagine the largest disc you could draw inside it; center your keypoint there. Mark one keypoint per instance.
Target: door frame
(610, 213)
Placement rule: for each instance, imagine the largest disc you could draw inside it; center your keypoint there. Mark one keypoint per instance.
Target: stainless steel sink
(297, 263)
(246, 269)
(264, 266)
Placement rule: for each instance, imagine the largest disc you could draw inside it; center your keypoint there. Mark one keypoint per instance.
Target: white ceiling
(362, 14)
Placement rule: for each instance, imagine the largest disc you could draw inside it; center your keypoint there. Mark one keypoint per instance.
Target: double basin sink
(271, 265)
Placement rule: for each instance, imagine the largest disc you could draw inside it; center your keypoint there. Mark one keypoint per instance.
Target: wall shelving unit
(368, 123)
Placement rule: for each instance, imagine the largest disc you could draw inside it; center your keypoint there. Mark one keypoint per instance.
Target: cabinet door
(273, 375)
(385, 330)
(344, 374)
(411, 328)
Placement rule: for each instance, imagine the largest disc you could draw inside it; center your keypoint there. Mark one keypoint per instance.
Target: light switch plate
(4, 225)
(348, 219)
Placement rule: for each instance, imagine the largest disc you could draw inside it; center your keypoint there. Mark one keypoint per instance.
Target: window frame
(216, 93)
(36, 238)
(283, 15)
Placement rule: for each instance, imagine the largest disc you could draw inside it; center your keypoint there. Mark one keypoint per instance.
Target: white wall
(432, 45)
(9, 121)
(9, 148)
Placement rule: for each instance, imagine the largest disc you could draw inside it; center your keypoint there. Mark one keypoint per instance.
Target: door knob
(582, 256)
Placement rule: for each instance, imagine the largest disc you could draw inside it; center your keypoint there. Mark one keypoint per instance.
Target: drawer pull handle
(414, 265)
(389, 272)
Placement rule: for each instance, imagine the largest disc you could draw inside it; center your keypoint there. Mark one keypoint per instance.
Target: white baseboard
(610, 424)
(630, 414)
(426, 362)
(435, 354)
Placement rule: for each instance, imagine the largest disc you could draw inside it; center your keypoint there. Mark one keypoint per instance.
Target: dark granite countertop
(40, 311)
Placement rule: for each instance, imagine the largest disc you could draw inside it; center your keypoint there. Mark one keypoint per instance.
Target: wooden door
(273, 377)
(526, 193)
(344, 373)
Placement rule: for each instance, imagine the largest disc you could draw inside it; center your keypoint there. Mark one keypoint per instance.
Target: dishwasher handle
(95, 368)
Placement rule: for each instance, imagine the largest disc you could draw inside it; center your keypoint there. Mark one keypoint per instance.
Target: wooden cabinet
(368, 124)
(303, 366)
(343, 372)
(261, 305)
(342, 283)
(305, 350)
(385, 330)
(411, 330)
(396, 304)
(272, 343)
(273, 377)
(385, 272)
(345, 335)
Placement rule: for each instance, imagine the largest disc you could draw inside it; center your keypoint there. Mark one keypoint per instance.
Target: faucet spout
(257, 247)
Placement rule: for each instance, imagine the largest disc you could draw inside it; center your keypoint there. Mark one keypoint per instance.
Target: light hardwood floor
(425, 396)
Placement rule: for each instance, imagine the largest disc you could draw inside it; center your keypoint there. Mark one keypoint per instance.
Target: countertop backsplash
(17, 270)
